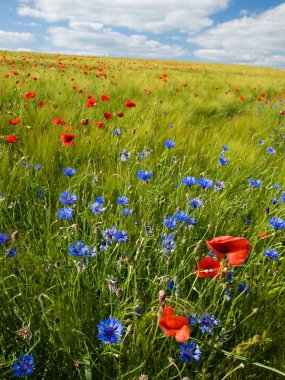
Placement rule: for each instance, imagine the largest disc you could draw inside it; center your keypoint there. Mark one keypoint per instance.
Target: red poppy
(6, 75)
(67, 139)
(91, 102)
(107, 115)
(41, 103)
(146, 91)
(89, 96)
(262, 235)
(282, 112)
(58, 121)
(236, 249)
(68, 128)
(14, 121)
(173, 325)
(99, 124)
(105, 97)
(208, 267)
(12, 139)
(15, 72)
(130, 104)
(80, 90)
(120, 114)
(29, 95)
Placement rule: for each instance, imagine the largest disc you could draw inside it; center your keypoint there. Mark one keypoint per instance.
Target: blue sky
(227, 31)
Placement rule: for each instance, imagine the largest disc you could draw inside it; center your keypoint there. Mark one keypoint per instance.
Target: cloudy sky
(228, 31)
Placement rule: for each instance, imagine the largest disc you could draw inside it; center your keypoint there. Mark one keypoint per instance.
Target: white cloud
(32, 24)
(257, 39)
(155, 16)
(105, 41)
(15, 37)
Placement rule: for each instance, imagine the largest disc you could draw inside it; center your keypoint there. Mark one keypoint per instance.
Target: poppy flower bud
(161, 296)
(15, 235)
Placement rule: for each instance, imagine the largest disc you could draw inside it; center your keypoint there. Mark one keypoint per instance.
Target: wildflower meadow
(142, 219)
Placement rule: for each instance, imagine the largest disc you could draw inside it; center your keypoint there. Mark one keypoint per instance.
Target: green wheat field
(115, 173)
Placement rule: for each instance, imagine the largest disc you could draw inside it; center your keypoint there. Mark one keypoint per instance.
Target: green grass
(41, 286)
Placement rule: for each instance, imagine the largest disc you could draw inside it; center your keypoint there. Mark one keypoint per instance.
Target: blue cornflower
(223, 161)
(125, 155)
(67, 198)
(283, 197)
(171, 125)
(189, 181)
(205, 183)
(189, 351)
(277, 186)
(225, 147)
(65, 213)
(272, 253)
(182, 216)
(40, 193)
(69, 172)
(230, 277)
(244, 287)
(99, 200)
(4, 237)
(144, 154)
(190, 221)
(13, 252)
(122, 200)
(275, 200)
(172, 286)
(254, 183)
(219, 186)
(270, 150)
(169, 144)
(127, 212)
(207, 322)
(110, 330)
(117, 132)
(121, 237)
(195, 202)
(144, 175)
(24, 366)
(170, 222)
(192, 320)
(261, 142)
(96, 208)
(277, 223)
(37, 166)
(168, 244)
(109, 233)
(78, 248)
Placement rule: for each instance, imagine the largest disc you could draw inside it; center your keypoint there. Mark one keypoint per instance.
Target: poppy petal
(182, 334)
(168, 312)
(168, 332)
(237, 258)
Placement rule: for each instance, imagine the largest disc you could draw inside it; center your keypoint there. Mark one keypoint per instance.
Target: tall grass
(42, 286)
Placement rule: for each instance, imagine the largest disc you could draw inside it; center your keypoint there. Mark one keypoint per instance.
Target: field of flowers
(142, 219)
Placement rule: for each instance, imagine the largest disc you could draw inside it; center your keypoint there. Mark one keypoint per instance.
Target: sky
(250, 32)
